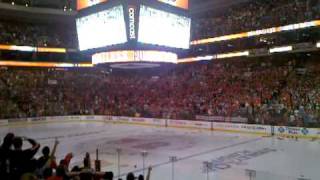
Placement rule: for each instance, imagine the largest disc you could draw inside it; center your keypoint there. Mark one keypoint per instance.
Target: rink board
(202, 125)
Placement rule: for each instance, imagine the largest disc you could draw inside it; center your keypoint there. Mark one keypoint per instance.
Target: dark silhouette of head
(17, 142)
(140, 177)
(76, 169)
(62, 162)
(130, 176)
(86, 163)
(46, 151)
(108, 176)
(7, 140)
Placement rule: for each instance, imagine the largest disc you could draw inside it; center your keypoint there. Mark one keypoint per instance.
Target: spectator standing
(22, 160)
(5, 153)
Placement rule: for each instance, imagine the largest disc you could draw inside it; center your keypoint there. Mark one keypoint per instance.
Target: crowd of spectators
(17, 163)
(37, 35)
(265, 91)
(247, 16)
(254, 15)
(58, 4)
(309, 35)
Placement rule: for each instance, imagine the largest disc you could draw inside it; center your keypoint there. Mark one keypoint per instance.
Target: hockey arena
(159, 89)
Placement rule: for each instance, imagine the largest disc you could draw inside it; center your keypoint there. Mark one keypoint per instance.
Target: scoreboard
(81, 4)
(163, 28)
(102, 28)
(107, 27)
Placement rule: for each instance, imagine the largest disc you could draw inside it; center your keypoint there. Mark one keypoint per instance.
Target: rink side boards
(262, 130)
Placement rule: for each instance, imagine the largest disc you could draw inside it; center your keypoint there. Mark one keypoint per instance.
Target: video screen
(81, 4)
(102, 29)
(163, 28)
(177, 3)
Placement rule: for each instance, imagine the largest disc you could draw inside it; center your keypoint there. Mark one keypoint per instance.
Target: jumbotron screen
(102, 29)
(81, 4)
(163, 28)
(177, 3)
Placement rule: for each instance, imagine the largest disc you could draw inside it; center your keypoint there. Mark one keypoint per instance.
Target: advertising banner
(284, 131)
(132, 22)
(17, 120)
(242, 128)
(36, 119)
(222, 119)
(139, 121)
(73, 118)
(189, 124)
(297, 132)
(158, 122)
(3, 122)
(210, 118)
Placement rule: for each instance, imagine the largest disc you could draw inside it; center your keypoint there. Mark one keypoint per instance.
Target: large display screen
(81, 4)
(178, 3)
(163, 28)
(102, 29)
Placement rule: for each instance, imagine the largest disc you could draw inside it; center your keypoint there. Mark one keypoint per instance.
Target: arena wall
(263, 130)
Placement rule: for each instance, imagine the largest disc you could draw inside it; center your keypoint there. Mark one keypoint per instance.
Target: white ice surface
(288, 159)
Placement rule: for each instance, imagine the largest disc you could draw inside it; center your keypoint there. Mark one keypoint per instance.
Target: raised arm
(34, 144)
(33, 150)
(52, 160)
(53, 152)
(149, 173)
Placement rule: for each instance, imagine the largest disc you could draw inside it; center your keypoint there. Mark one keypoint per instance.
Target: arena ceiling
(7, 11)
(57, 4)
(195, 5)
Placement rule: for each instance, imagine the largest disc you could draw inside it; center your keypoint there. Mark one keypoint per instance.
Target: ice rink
(230, 156)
